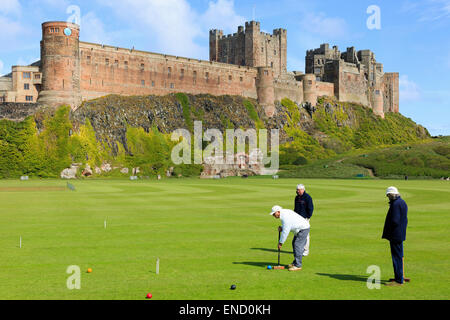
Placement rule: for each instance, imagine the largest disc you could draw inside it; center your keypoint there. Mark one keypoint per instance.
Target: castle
(249, 63)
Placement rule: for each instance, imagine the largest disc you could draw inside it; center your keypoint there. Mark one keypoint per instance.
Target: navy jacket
(304, 205)
(396, 221)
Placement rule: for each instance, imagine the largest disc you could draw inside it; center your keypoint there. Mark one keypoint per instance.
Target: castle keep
(248, 63)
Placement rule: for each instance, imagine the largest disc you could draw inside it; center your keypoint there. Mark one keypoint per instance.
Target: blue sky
(414, 38)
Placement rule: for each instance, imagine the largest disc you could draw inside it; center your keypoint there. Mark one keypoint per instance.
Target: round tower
(265, 90)
(377, 101)
(60, 64)
(309, 89)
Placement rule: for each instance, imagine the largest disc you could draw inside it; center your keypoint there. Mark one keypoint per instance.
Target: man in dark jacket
(304, 207)
(395, 231)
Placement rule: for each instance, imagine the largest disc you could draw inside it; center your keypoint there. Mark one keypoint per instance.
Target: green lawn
(210, 234)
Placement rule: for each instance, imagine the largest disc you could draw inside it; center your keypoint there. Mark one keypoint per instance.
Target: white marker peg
(157, 266)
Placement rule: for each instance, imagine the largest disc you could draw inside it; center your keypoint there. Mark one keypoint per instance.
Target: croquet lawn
(210, 234)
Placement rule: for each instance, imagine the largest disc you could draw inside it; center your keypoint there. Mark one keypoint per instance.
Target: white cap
(275, 209)
(300, 186)
(391, 190)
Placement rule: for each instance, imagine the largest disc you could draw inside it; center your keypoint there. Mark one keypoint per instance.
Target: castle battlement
(249, 63)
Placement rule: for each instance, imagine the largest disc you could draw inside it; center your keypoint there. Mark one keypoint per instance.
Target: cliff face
(110, 115)
(17, 111)
(327, 124)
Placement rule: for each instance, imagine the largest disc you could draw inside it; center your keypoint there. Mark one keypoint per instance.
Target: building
(248, 63)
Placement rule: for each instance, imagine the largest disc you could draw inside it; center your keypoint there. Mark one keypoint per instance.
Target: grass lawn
(210, 234)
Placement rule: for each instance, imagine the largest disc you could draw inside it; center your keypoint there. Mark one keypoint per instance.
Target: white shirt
(291, 222)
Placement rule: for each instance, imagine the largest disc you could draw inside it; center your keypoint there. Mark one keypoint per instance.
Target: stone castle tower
(60, 64)
(250, 47)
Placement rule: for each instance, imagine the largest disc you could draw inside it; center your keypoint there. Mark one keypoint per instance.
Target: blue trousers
(397, 260)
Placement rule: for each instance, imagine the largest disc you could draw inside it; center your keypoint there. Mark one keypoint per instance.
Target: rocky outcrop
(17, 111)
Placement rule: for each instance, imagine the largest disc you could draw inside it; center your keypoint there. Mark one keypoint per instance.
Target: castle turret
(60, 64)
(377, 101)
(309, 89)
(265, 90)
(214, 37)
(252, 44)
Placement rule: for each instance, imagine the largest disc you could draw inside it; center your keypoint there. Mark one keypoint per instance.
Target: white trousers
(306, 252)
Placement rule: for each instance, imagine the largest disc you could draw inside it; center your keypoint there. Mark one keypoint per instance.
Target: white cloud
(173, 25)
(429, 10)
(222, 12)
(93, 29)
(1, 68)
(322, 25)
(409, 90)
(10, 7)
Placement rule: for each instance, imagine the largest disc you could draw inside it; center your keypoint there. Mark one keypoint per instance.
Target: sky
(409, 37)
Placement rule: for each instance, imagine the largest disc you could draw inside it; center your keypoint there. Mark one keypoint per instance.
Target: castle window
(271, 64)
(169, 72)
(29, 98)
(317, 70)
(230, 78)
(52, 30)
(143, 83)
(116, 63)
(317, 78)
(262, 49)
(126, 64)
(107, 61)
(241, 79)
(153, 83)
(207, 76)
(37, 76)
(218, 79)
(377, 92)
(266, 73)
(26, 75)
(26, 86)
(172, 86)
(88, 59)
(56, 30)
(195, 77)
(142, 67)
(182, 74)
(274, 52)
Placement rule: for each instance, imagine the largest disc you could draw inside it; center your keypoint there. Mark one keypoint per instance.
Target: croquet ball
(233, 287)
(89, 270)
(149, 295)
(269, 267)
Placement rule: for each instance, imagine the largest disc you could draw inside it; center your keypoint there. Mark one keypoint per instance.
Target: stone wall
(353, 87)
(17, 111)
(110, 70)
(324, 89)
(390, 86)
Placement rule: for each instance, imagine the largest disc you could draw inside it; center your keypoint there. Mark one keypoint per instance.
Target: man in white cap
(299, 226)
(304, 206)
(395, 231)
